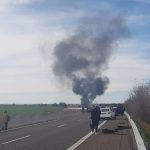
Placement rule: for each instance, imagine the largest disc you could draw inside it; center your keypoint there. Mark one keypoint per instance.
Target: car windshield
(104, 110)
(114, 109)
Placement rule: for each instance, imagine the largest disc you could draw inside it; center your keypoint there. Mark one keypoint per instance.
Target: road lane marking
(16, 140)
(74, 146)
(61, 125)
(21, 127)
(29, 125)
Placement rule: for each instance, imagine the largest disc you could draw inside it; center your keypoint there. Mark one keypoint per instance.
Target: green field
(27, 109)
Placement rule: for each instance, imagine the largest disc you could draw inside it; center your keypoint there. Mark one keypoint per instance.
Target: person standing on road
(1, 124)
(95, 117)
(5, 119)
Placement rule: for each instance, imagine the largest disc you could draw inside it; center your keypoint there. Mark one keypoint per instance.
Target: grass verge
(28, 109)
(145, 127)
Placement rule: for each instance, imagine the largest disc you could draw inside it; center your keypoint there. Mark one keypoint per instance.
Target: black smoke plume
(84, 55)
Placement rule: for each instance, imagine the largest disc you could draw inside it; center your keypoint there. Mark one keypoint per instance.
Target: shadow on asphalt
(122, 123)
(108, 131)
(120, 127)
(114, 131)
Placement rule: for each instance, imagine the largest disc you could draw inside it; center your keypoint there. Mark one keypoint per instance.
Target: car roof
(106, 108)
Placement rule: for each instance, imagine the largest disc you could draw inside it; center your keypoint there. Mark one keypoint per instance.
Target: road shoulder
(115, 134)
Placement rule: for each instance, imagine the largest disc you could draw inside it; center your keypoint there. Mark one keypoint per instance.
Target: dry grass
(138, 106)
(146, 130)
(146, 127)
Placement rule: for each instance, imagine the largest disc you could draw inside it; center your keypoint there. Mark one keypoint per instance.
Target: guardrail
(138, 138)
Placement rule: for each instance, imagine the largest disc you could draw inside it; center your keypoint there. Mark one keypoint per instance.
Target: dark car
(120, 110)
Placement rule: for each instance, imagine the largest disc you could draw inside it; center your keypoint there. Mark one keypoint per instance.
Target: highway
(56, 134)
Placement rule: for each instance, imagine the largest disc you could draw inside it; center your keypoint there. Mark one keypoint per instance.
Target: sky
(30, 29)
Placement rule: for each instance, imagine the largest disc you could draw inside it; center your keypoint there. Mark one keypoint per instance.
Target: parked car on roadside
(107, 113)
(120, 110)
(114, 109)
(89, 109)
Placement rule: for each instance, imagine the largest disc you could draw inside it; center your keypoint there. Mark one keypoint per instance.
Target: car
(114, 109)
(90, 108)
(120, 110)
(107, 113)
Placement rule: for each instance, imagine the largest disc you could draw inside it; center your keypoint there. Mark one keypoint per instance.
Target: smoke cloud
(84, 55)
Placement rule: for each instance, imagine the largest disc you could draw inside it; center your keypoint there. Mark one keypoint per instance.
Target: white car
(106, 113)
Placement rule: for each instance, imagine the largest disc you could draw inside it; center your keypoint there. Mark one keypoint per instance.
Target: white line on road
(74, 146)
(61, 125)
(21, 127)
(29, 125)
(16, 139)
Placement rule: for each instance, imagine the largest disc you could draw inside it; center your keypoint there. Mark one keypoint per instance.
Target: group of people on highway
(96, 113)
(4, 121)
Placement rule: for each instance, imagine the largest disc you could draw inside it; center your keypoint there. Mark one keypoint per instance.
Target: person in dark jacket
(95, 117)
(5, 119)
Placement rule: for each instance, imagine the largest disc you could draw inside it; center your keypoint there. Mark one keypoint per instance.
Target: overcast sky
(30, 29)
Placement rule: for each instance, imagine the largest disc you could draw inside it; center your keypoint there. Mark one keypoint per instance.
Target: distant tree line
(138, 103)
(61, 104)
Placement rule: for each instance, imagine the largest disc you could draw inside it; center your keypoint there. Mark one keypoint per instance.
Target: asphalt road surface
(114, 135)
(56, 134)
